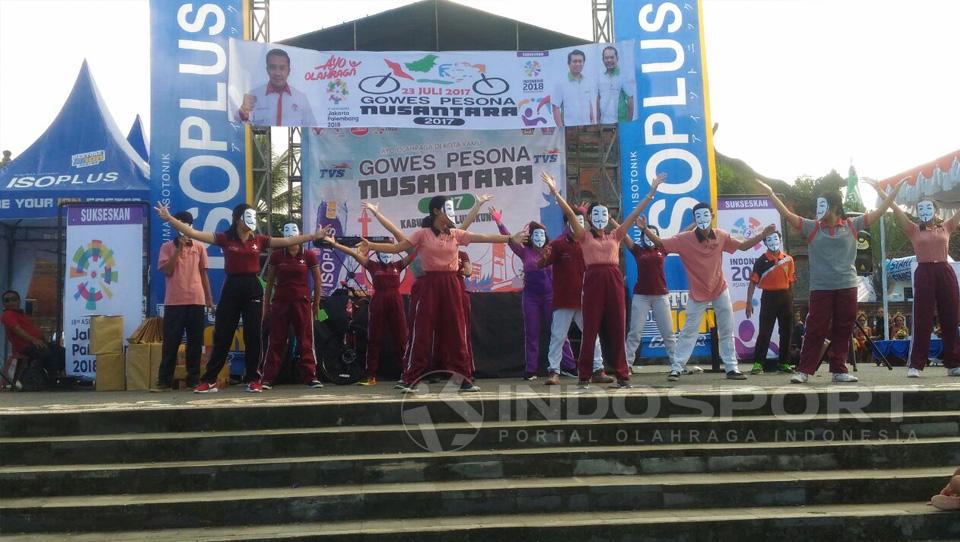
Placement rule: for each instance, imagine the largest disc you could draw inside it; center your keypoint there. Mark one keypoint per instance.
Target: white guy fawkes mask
(449, 211)
(538, 237)
(580, 221)
(703, 218)
(250, 219)
(822, 208)
(384, 257)
(291, 230)
(646, 240)
(772, 242)
(600, 217)
(926, 211)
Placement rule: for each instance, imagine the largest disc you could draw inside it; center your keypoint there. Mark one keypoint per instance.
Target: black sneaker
(315, 384)
(621, 385)
(673, 376)
(529, 376)
(736, 375)
(468, 386)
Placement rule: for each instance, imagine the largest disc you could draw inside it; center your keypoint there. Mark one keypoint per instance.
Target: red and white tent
(938, 180)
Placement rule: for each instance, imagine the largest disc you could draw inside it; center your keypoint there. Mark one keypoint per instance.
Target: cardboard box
(137, 363)
(106, 335)
(111, 375)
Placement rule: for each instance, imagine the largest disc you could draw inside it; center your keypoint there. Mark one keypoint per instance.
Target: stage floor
(652, 379)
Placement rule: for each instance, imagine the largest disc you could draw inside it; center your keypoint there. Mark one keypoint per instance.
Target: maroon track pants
(934, 287)
(603, 306)
(439, 323)
(831, 316)
(386, 313)
(283, 315)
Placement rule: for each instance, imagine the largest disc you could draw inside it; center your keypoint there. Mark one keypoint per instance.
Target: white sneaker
(799, 378)
(953, 372)
(913, 373)
(844, 377)
(673, 376)
(692, 370)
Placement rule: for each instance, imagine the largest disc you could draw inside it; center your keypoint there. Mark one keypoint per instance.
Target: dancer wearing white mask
(832, 242)
(287, 305)
(701, 252)
(774, 273)
(934, 286)
(649, 293)
(537, 298)
(603, 303)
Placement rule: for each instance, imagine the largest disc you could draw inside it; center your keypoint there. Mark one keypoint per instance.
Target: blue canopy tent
(81, 157)
(137, 139)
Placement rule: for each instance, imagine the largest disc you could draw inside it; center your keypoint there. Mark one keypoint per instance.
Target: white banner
(103, 276)
(401, 170)
(745, 217)
(277, 85)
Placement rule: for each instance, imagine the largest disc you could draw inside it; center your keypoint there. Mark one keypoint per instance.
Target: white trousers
(639, 307)
(723, 310)
(558, 333)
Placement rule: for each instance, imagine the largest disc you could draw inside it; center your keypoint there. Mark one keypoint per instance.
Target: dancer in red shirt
(241, 293)
(290, 306)
(602, 282)
(439, 315)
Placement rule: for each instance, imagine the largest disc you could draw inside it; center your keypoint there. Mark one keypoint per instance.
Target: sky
(798, 87)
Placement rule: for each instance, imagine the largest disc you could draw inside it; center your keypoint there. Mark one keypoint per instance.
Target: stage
(651, 380)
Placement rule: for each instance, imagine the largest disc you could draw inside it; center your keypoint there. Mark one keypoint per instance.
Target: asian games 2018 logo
(95, 271)
(745, 228)
(337, 91)
(532, 68)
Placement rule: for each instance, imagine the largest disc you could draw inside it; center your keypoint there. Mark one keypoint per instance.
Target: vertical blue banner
(672, 132)
(198, 158)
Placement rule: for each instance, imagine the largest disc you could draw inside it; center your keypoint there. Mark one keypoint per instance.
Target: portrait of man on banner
(276, 103)
(616, 90)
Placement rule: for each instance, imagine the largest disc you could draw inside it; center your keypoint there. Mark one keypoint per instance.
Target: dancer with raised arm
(386, 305)
(242, 293)
(934, 285)
(701, 252)
(289, 305)
(439, 315)
(649, 293)
(832, 241)
(603, 303)
(537, 297)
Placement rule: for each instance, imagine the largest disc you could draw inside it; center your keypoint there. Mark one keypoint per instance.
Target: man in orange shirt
(774, 273)
(184, 265)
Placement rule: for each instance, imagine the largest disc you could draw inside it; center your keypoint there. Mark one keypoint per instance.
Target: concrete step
(855, 522)
(538, 403)
(467, 498)
(554, 462)
(222, 445)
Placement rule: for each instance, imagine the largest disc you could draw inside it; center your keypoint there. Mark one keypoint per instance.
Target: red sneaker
(206, 388)
(255, 387)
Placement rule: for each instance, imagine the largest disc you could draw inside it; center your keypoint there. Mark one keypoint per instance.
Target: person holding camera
(183, 263)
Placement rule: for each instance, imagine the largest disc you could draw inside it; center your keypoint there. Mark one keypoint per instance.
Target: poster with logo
(103, 276)
(400, 170)
(744, 217)
(278, 85)
(198, 158)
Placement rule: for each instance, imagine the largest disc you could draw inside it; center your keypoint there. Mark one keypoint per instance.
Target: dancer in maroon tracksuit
(603, 293)
(934, 286)
(292, 307)
(439, 316)
(386, 305)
